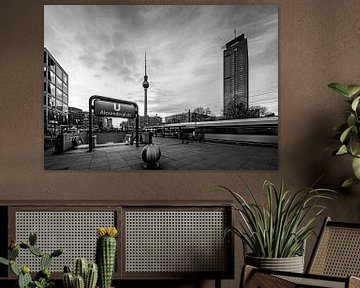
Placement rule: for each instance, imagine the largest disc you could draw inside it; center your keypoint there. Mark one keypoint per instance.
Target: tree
(204, 111)
(262, 110)
(235, 110)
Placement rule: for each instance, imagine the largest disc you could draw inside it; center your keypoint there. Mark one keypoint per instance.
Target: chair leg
(246, 274)
(250, 278)
(354, 282)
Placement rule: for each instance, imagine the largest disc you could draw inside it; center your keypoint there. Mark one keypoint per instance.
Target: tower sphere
(145, 82)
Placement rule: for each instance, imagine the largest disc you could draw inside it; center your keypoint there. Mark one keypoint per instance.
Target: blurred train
(261, 131)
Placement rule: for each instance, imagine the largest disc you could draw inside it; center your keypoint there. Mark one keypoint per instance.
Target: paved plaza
(175, 155)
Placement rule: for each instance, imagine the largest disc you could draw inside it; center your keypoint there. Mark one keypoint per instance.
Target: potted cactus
(106, 254)
(42, 278)
(85, 275)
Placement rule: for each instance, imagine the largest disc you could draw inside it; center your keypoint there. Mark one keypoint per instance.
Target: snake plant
(279, 228)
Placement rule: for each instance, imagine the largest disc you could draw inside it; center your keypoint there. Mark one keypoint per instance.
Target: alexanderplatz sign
(110, 107)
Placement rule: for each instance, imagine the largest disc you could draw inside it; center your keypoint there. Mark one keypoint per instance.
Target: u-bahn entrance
(110, 107)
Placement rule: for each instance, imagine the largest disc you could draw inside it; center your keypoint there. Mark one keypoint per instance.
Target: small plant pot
(291, 264)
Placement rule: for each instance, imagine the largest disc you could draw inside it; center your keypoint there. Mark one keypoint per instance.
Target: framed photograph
(167, 87)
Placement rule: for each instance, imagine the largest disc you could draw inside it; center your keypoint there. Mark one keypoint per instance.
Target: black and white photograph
(161, 87)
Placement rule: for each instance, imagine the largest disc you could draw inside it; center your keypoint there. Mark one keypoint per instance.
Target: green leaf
(351, 120)
(345, 134)
(14, 268)
(353, 89)
(340, 88)
(355, 103)
(356, 167)
(342, 150)
(4, 261)
(349, 182)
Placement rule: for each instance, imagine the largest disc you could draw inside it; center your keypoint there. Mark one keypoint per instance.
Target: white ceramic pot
(291, 264)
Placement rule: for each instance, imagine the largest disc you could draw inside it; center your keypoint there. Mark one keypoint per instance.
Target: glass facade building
(236, 74)
(56, 95)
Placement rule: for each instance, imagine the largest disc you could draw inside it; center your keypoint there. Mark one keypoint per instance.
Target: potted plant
(349, 132)
(84, 274)
(276, 233)
(42, 278)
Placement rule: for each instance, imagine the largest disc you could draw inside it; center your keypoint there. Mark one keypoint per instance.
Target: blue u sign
(114, 109)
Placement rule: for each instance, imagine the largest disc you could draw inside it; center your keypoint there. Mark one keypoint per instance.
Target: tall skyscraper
(236, 76)
(145, 85)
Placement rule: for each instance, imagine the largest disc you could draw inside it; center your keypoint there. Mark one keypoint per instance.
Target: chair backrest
(337, 251)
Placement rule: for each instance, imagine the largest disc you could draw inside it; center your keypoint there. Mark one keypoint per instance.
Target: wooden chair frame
(319, 273)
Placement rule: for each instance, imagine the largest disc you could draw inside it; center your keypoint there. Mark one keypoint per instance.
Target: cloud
(102, 49)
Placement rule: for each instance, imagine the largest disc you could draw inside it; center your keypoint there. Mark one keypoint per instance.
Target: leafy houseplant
(349, 132)
(42, 278)
(279, 229)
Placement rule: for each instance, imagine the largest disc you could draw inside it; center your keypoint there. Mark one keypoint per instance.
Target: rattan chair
(334, 263)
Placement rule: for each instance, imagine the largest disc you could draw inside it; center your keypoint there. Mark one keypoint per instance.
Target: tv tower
(145, 84)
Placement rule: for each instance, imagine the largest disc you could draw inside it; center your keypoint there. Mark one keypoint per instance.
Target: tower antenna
(234, 33)
(145, 62)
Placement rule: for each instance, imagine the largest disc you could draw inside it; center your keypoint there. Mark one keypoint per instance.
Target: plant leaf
(340, 88)
(4, 261)
(356, 167)
(342, 150)
(351, 120)
(345, 134)
(349, 182)
(355, 103)
(353, 89)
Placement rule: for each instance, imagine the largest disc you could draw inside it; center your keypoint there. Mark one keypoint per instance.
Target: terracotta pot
(291, 264)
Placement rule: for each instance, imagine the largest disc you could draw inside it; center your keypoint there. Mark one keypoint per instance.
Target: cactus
(24, 279)
(36, 251)
(57, 252)
(13, 253)
(32, 238)
(14, 268)
(80, 267)
(42, 278)
(91, 276)
(45, 261)
(67, 269)
(105, 254)
(84, 274)
(44, 273)
(79, 282)
(68, 280)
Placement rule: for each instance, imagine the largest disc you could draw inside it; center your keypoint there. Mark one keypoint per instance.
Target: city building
(150, 121)
(188, 117)
(236, 77)
(76, 117)
(178, 118)
(56, 96)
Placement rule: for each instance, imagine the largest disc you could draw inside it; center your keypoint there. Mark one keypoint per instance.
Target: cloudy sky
(102, 49)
